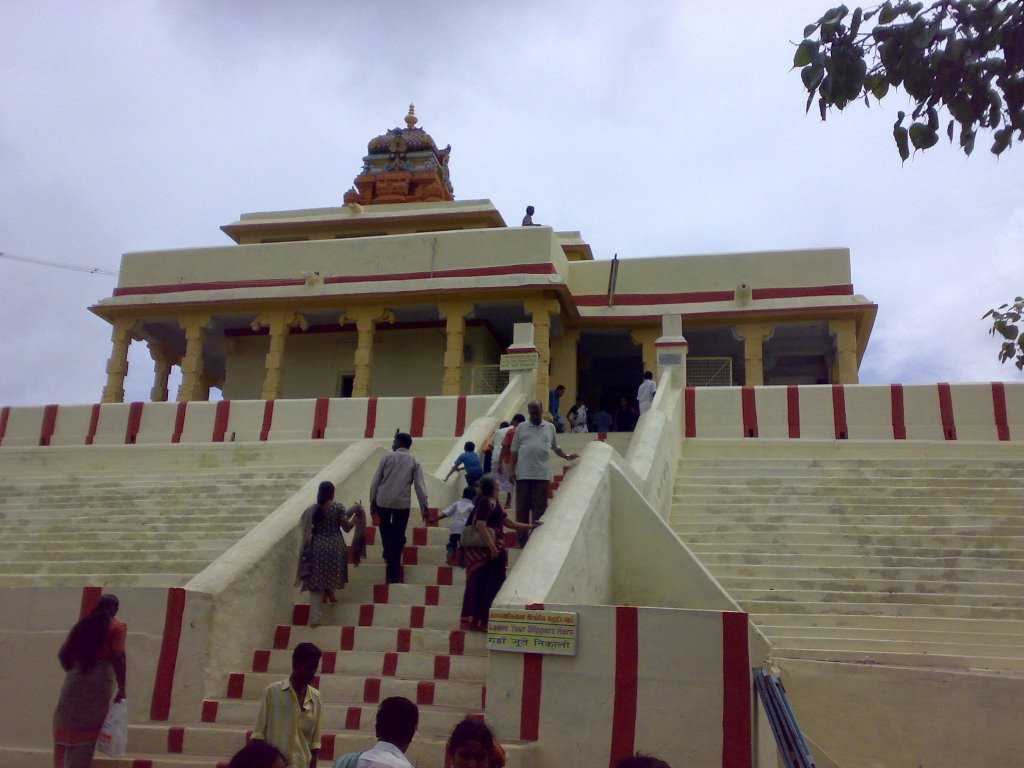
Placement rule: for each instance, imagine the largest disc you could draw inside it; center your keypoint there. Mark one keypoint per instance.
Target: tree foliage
(1006, 323)
(963, 58)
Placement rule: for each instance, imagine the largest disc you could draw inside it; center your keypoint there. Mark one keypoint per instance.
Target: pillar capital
(279, 321)
(451, 310)
(754, 336)
(366, 316)
(541, 306)
(753, 331)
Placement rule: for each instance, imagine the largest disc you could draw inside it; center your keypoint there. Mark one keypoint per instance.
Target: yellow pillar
(192, 363)
(563, 365)
(454, 314)
(163, 359)
(365, 320)
(845, 332)
(540, 310)
(754, 336)
(278, 324)
(645, 338)
(117, 365)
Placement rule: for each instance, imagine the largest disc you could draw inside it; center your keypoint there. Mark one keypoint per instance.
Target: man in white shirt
(645, 394)
(397, 719)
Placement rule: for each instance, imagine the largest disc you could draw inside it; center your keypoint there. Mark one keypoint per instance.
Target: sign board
(533, 632)
(670, 358)
(522, 361)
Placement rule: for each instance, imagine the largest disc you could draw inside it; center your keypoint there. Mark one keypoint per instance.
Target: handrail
(789, 738)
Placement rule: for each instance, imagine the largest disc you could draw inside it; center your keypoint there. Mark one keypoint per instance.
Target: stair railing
(789, 738)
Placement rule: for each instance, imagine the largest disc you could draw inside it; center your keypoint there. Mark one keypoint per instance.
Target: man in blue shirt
(469, 461)
(554, 402)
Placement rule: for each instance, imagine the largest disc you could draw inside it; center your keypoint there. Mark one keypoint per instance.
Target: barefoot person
(323, 558)
(484, 554)
(290, 711)
(390, 494)
(532, 445)
(93, 659)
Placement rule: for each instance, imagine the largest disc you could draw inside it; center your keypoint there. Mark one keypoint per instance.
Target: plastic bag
(113, 738)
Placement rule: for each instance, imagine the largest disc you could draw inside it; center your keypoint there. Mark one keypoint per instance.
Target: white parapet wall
(603, 545)
(654, 449)
(243, 420)
(990, 412)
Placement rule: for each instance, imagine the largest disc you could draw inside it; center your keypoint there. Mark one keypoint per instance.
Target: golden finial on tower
(410, 119)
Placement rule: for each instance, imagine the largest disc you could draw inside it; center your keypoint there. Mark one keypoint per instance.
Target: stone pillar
(454, 314)
(754, 335)
(278, 324)
(365, 319)
(192, 363)
(541, 309)
(117, 365)
(845, 333)
(564, 366)
(672, 349)
(163, 359)
(646, 338)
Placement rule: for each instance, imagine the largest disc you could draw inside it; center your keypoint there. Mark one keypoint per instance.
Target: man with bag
(532, 444)
(396, 474)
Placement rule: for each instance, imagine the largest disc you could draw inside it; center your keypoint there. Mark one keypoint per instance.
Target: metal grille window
(709, 371)
(487, 380)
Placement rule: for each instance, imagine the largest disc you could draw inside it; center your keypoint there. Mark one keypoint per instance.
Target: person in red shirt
(93, 658)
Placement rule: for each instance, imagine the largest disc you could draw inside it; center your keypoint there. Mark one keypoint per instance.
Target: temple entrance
(611, 367)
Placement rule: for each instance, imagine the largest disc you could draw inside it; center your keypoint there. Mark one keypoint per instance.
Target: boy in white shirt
(645, 394)
(459, 512)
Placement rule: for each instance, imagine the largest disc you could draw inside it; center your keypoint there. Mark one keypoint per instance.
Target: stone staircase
(899, 555)
(379, 640)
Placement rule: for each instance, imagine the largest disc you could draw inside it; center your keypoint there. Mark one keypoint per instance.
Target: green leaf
(810, 98)
(879, 88)
(804, 53)
(887, 14)
(933, 119)
(812, 75)
(1002, 141)
(914, 9)
(823, 108)
(809, 29)
(922, 137)
(900, 135)
(858, 15)
(967, 140)
(949, 130)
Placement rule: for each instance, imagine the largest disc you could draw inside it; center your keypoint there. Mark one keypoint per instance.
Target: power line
(58, 265)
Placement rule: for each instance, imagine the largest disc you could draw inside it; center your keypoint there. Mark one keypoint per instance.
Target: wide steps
(444, 641)
(898, 605)
(410, 665)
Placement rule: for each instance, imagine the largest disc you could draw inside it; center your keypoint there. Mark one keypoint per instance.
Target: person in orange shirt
(93, 658)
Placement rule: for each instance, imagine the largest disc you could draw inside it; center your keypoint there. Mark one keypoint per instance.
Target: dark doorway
(611, 367)
(348, 381)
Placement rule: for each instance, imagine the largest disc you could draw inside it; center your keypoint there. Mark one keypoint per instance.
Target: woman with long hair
(323, 558)
(472, 745)
(93, 658)
(486, 562)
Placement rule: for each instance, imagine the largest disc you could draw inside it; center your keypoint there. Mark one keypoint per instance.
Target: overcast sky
(655, 128)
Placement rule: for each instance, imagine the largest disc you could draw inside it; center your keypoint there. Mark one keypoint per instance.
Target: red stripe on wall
(839, 412)
(348, 638)
(48, 425)
(460, 416)
(691, 412)
(417, 616)
(131, 432)
(5, 415)
(268, 419)
(176, 740)
(260, 661)
(220, 421)
(456, 643)
(736, 695)
(320, 418)
(899, 424)
(749, 405)
(329, 662)
(179, 422)
(282, 636)
(94, 424)
(390, 666)
(164, 683)
(533, 673)
(210, 708)
(419, 416)
(371, 417)
(999, 410)
(90, 597)
(946, 412)
(442, 667)
(793, 409)
(627, 660)
(698, 297)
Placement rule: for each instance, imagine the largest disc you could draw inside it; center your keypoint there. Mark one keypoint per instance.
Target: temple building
(404, 289)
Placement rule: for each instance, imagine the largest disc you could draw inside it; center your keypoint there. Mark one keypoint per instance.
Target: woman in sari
(323, 558)
(486, 565)
(93, 660)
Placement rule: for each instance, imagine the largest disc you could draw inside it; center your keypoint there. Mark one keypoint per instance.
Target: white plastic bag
(113, 738)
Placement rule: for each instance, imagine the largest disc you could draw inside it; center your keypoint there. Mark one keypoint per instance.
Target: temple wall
(405, 362)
